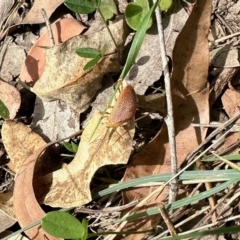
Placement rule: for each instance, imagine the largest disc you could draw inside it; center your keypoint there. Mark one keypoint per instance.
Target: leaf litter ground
(187, 93)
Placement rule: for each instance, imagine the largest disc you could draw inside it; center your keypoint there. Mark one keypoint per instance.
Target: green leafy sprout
(91, 53)
(71, 147)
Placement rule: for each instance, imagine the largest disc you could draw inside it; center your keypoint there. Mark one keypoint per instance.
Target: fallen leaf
(10, 96)
(190, 105)
(5, 7)
(70, 185)
(153, 103)
(11, 66)
(34, 16)
(231, 102)
(54, 120)
(29, 211)
(36, 59)
(226, 56)
(20, 143)
(64, 78)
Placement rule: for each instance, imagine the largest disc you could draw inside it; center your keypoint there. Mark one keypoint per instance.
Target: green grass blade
(217, 175)
(137, 41)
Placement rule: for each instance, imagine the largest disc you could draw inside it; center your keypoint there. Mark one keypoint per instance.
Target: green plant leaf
(165, 4)
(137, 41)
(108, 9)
(88, 52)
(104, 49)
(4, 112)
(135, 12)
(74, 147)
(82, 6)
(63, 225)
(85, 226)
(91, 63)
(71, 147)
(68, 146)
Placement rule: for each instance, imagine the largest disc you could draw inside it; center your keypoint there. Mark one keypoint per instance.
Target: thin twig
(50, 33)
(227, 125)
(108, 209)
(169, 118)
(167, 220)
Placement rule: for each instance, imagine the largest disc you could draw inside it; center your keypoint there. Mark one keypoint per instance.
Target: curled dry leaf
(36, 60)
(21, 144)
(10, 96)
(29, 211)
(64, 78)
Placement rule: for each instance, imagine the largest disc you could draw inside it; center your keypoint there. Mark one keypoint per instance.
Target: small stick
(49, 29)
(169, 118)
(167, 220)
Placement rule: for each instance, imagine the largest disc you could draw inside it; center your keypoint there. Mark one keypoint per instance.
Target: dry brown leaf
(34, 16)
(29, 211)
(20, 142)
(10, 96)
(190, 102)
(231, 102)
(225, 57)
(153, 103)
(64, 77)
(36, 60)
(70, 185)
